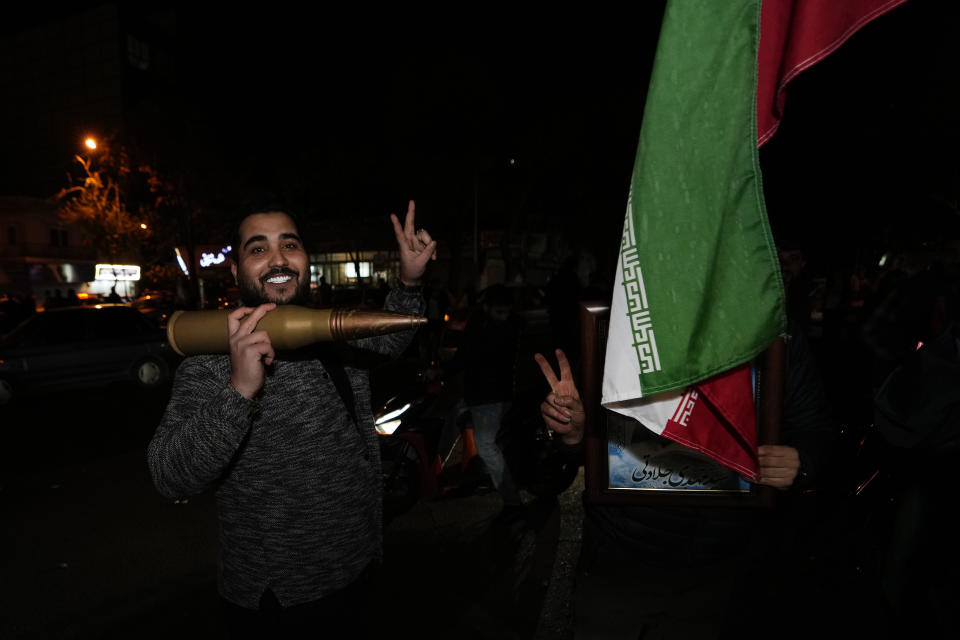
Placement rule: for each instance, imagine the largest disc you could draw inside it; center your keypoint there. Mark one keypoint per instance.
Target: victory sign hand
(562, 410)
(416, 246)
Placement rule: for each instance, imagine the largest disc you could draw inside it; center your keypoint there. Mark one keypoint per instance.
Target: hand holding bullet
(288, 326)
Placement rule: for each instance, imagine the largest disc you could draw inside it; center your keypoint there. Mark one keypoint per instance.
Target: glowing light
(207, 259)
(111, 272)
(183, 265)
(143, 225)
(350, 269)
(387, 428)
(387, 417)
(90, 143)
(212, 258)
(83, 295)
(446, 317)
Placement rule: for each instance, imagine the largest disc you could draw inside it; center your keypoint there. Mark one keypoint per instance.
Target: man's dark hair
(266, 206)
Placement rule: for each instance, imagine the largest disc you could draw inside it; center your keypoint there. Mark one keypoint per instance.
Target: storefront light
(350, 269)
(114, 272)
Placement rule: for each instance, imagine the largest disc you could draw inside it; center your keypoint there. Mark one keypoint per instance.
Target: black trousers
(342, 614)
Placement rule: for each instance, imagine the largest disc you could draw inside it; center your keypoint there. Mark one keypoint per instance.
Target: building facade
(38, 253)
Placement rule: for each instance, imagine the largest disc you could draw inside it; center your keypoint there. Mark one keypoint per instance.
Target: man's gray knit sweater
(297, 481)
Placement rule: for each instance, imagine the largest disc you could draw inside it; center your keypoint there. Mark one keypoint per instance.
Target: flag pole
(770, 400)
(594, 321)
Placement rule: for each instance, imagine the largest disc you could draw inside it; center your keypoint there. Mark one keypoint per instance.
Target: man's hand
(778, 465)
(417, 248)
(562, 410)
(250, 351)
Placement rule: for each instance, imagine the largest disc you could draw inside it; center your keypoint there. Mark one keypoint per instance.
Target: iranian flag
(698, 293)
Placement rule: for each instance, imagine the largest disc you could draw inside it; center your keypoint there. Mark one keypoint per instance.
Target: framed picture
(626, 463)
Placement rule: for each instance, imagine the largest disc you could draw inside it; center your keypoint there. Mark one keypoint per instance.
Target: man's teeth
(278, 279)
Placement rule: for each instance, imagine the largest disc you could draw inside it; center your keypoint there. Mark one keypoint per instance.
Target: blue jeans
(486, 424)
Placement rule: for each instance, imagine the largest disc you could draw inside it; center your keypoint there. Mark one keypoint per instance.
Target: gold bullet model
(289, 327)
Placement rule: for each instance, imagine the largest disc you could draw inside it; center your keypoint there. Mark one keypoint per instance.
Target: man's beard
(254, 293)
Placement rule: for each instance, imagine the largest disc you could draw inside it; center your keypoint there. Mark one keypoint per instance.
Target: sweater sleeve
(202, 428)
(393, 344)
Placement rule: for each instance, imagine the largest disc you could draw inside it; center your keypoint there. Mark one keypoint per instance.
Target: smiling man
(275, 266)
(286, 441)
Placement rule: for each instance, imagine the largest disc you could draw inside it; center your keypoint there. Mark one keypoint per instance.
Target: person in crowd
(487, 357)
(917, 414)
(324, 292)
(915, 335)
(912, 310)
(286, 441)
(650, 571)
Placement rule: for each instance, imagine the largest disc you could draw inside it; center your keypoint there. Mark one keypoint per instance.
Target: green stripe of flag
(699, 269)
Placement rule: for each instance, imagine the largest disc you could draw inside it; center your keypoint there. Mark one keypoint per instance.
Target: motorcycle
(409, 425)
(419, 461)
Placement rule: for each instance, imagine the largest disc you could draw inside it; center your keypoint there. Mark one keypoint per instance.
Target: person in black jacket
(487, 357)
(679, 572)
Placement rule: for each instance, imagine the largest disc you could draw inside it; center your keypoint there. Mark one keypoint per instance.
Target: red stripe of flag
(794, 36)
(720, 421)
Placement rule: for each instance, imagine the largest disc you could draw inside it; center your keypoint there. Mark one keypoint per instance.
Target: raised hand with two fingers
(416, 247)
(562, 409)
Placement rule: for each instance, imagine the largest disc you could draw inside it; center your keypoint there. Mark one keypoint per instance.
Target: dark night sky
(341, 114)
(353, 113)
(363, 116)
(867, 151)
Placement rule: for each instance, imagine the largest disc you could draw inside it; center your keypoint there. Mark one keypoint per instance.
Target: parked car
(83, 346)
(157, 305)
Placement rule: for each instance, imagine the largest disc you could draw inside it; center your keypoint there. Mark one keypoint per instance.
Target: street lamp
(90, 143)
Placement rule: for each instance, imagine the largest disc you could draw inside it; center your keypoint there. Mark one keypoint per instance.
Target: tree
(100, 204)
(129, 212)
